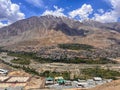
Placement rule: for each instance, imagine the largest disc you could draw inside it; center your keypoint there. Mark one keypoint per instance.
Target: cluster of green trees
(43, 60)
(77, 60)
(86, 73)
(29, 55)
(25, 68)
(25, 56)
(98, 72)
(76, 46)
(30, 70)
(65, 74)
(21, 61)
(2, 50)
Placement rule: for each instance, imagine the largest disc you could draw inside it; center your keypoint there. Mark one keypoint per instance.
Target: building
(97, 78)
(60, 80)
(68, 83)
(82, 84)
(7, 81)
(3, 54)
(49, 81)
(56, 78)
(3, 71)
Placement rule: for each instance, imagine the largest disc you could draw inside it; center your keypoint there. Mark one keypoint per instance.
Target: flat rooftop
(3, 78)
(18, 79)
(7, 79)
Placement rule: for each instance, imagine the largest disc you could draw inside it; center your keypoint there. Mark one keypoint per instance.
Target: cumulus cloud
(110, 16)
(101, 11)
(57, 12)
(2, 25)
(37, 3)
(10, 12)
(83, 12)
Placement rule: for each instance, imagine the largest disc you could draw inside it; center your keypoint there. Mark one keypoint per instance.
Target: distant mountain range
(36, 32)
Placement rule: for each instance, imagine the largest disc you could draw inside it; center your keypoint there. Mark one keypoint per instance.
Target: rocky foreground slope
(115, 85)
(36, 32)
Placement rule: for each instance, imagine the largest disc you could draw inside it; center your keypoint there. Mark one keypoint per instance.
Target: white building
(97, 78)
(3, 71)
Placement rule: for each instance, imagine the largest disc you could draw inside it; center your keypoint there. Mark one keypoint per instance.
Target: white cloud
(101, 11)
(57, 12)
(110, 16)
(10, 12)
(37, 3)
(83, 12)
(2, 25)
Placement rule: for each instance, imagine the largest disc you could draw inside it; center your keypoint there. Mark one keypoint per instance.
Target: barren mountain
(110, 26)
(36, 32)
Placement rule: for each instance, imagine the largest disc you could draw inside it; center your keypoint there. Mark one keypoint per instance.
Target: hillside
(33, 33)
(115, 85)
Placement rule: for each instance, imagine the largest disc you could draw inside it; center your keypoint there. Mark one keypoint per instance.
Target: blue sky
(99, 10)
(30, 9)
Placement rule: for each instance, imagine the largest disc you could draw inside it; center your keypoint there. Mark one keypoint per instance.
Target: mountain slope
(36, 32)
(109, 26)
(114, 85)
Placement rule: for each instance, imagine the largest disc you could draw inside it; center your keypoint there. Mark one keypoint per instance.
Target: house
(61, 81)
(3, 71)
(3, 54)
(12, 81)
(49, 81)
(56, 78)
(97, 78)
(68, 83)
(82, 84)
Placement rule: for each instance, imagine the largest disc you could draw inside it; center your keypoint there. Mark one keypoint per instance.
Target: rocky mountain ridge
(36, 32)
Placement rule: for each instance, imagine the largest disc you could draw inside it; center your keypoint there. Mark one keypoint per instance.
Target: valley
(49, 46)
(69, 71)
